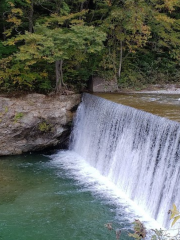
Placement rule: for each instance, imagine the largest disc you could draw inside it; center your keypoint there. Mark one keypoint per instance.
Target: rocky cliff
(35, 122)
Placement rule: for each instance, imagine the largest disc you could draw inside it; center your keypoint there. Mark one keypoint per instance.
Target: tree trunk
(4, 28)
(61, 72)
(120, 60)
(81, 8)
(82, 5)
(59, 75)
(30, 17)
(58, 6)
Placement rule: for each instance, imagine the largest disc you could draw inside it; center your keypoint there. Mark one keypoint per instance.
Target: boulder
(35, 122)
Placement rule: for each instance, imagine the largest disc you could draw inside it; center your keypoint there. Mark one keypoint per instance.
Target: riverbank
(34, 122)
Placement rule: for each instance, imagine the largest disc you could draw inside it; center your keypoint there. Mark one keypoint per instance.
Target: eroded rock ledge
(35, 122)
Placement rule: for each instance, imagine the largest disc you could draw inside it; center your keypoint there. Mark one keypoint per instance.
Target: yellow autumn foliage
(175, 214)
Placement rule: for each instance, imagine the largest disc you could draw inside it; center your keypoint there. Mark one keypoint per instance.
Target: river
(60, 196)
(164, 105)
(42, 199)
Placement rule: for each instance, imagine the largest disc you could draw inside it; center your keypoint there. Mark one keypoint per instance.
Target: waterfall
(138, 151)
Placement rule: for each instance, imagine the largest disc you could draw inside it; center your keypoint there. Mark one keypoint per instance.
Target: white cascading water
(137, 151)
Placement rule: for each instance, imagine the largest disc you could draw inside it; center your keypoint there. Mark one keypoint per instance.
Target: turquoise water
(42, 200)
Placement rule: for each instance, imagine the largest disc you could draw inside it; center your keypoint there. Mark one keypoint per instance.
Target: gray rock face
(97, 84)
(35, 122)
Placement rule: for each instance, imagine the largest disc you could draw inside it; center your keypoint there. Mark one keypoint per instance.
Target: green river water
(39, 201)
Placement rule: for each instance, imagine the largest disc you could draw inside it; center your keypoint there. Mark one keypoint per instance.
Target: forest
(49, 45)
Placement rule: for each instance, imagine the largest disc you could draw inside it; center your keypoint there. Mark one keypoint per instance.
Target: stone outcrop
(97, 84)
(35, 122)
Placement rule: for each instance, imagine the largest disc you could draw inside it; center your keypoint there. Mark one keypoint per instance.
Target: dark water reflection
(164, 105)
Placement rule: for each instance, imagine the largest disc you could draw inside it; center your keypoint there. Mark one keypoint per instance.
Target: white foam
(136, 151)
(93, 181)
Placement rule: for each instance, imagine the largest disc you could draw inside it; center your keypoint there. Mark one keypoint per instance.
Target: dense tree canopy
(46, 44)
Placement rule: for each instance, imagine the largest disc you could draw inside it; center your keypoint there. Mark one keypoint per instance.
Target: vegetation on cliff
(47, 44)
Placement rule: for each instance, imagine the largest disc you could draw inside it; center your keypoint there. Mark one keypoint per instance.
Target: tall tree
(127, 30)
(54, 43)
(68, 34)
